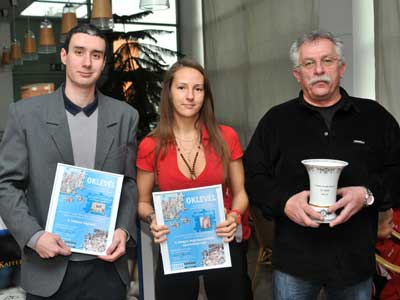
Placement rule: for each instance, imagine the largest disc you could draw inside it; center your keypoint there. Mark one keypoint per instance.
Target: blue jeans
(288, 287)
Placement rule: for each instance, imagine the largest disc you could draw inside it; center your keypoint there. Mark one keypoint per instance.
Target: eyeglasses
(327, 62)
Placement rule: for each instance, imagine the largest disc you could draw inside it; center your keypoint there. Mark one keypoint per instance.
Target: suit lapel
(106, 131)
(58, 127)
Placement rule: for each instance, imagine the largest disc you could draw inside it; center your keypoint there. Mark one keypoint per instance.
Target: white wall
(336, 17)
(364, 49)
(353, 21)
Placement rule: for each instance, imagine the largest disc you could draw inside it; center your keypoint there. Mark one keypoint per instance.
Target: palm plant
(136, 70)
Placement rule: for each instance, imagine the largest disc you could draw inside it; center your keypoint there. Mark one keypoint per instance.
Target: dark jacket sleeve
(128, 202)
(262, 185)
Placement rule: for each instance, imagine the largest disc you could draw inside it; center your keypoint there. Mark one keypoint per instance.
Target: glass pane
(81, 11)
(52, 9)
(64, 1)
(130, 7)
(168, 40)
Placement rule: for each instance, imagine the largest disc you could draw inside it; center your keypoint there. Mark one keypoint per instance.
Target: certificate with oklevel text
(83, 208)
(192, 216)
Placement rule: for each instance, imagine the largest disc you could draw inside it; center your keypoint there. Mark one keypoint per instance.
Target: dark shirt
(327, 113)
(362, 133)
(73, 109)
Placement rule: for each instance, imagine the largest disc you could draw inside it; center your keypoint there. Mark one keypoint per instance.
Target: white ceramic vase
(324, 176)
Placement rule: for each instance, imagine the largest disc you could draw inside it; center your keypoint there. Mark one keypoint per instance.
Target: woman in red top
(189, 149)
(389, 249)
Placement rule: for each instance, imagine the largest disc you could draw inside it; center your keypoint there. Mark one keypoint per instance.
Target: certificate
(192, 216)
(3, 228)
(83, 208)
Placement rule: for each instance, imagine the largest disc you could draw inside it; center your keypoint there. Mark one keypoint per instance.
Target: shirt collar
(74, 109)
(348, 102)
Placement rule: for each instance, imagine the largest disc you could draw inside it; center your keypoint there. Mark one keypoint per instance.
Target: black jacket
(362, 133)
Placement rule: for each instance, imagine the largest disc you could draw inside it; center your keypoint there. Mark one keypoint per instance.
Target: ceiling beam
(21, 5)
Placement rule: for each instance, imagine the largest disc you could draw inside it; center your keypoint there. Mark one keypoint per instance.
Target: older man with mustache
(323, 122)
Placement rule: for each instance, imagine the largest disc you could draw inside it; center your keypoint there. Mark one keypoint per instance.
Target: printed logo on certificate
(192, 216)
(83, 208)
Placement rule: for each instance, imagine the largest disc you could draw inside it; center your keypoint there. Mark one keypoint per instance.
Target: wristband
(238, 215)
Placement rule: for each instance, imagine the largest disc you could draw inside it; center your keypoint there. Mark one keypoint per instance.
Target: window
(53, 8)
(161, 20)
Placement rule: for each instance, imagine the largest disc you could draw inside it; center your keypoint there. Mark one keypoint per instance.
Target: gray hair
(313, 36)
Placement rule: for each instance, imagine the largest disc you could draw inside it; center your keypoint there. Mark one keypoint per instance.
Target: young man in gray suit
(75, 125)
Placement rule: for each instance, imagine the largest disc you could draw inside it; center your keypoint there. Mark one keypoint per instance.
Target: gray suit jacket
(36, 139)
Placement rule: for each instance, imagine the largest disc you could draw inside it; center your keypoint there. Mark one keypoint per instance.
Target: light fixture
(102, 15)
(154, 4)
(15, 53)
(15, 47)
(5, 56)
(30, 50)
(47, 43)
(68, 21)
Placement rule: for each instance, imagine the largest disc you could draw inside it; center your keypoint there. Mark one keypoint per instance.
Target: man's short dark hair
(86, 28)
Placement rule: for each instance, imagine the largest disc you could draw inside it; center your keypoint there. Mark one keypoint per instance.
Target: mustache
(325, 78)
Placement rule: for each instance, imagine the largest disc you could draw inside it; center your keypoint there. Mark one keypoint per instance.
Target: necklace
(192, 167)
(186, 151)
(185, 140)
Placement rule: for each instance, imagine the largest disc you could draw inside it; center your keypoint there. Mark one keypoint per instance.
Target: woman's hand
(227, 228)
(159, 231)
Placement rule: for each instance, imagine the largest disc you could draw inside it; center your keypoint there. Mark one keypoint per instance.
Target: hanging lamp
(15, 53)
(154, 4)
(102, 15)
(5, 56)
(30, 49)
(47, 43)
(15, 47)
(68, 21)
